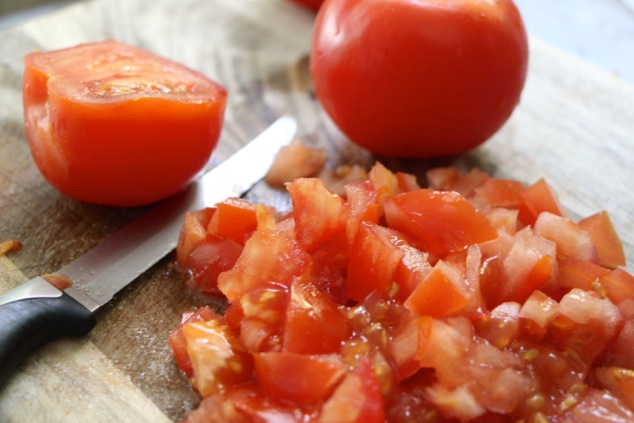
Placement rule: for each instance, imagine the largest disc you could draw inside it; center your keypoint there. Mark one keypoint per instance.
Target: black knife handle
(33, 314)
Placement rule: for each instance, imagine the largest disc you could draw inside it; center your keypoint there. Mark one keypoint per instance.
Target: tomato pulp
(471, 300)
(112, 124)
(420, 78)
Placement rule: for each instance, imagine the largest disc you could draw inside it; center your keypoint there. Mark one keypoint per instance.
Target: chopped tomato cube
(209, 258)
(235, 218)
(362, 206)
(441, 293)
(502, 193)
(177, 340)
(314, 323)
(217, 358)
(266, 257)
(605, 239)
(571, 241)
(303, 378)
(440, 222)
(193, 232)
(374, 257)
(539, 198)
(357, 399)
(318, 213)
(618, 285)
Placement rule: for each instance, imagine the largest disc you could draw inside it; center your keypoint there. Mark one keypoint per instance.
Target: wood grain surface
(574, 126)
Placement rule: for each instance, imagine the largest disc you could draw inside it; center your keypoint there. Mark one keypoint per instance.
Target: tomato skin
(309, 4)
(112, 124)
(419, 78)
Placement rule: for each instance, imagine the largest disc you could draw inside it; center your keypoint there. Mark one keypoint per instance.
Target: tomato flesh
(112, 124)
(401, 303)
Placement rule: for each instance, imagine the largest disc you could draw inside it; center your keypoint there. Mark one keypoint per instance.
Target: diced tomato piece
(441, 346)
(267, 257)
(404, 347)
(571, 241)
(374, 257)
(442, 178)
(502, 326)
(539, 198)
(383, 180)
(529, 264)
(330, 276)
(407, 182)
(306, 379)
(362, 206)
(585, 324)
(605, 239)
(411, 271)
(211, 257)
(217, 358)
(177, 340)
(319, 214)
(216, 408)
(314, 323)
(441, 222)
(538, 312)
(441, 293)
(235, 218)
(450, 179)
(619, 381)
(258, 407)
(259, 317)
(357, 399)
(296, 160)
(618, 285)
(502, 193)
(620, 351)
(503, 220)
(193, 232)
(574, 273)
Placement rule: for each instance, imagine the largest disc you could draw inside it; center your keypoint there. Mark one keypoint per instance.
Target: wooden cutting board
(574, 126)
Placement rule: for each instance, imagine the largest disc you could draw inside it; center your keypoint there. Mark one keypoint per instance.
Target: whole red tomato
(113, 124)
(310, 4)
(419, 78)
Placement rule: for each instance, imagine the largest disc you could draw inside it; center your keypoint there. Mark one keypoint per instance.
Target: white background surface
(599, 31)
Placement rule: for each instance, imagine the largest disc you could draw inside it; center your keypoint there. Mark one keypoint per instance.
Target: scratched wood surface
(574, 126)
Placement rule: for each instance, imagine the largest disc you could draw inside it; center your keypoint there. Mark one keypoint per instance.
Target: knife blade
(37, 312)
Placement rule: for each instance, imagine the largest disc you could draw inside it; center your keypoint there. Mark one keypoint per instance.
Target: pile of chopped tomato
(476, 299)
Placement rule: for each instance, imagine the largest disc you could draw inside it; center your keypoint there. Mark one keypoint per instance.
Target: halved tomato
(113, 124)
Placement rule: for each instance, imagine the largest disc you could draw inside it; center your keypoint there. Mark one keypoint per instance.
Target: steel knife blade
(37, 312)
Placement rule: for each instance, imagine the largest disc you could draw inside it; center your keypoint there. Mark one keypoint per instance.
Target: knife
(37, 312)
